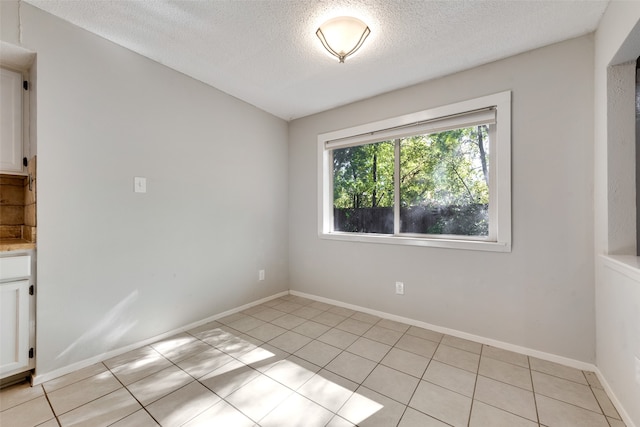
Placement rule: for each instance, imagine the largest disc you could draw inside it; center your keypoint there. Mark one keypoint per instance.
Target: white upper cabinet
(11, 123)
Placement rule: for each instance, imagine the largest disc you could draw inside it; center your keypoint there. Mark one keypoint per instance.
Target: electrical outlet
(261, 275)
(637, 369)
(399, 288)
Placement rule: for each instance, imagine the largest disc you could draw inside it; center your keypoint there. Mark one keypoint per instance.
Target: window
(439, 177)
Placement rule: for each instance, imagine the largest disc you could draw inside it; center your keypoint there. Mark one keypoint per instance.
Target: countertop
(15, 245)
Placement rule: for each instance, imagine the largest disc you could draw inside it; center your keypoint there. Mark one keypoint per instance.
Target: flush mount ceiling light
(343, 36)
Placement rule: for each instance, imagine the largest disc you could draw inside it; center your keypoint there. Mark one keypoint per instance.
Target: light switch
(140, 184)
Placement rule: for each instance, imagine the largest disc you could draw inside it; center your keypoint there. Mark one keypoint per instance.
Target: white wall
(115, 267)
(538, 296)
(617, 45)
(9, 22)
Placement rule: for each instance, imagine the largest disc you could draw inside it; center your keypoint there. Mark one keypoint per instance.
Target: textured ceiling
(266, 52)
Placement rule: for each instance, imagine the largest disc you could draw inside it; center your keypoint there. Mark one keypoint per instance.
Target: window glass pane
(363, 188)
(444, 182)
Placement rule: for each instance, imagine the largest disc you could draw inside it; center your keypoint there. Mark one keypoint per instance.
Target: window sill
(471, 245)
(628, 265)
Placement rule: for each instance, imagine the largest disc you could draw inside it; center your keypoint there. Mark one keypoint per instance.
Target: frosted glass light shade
(343, 35)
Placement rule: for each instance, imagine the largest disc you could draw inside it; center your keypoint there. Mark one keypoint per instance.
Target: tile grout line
(335, 357)
(378, 363)
(505, 383)
(284, 358)
(131, 394)
(374, 368)
(343, 351)
(475, 385)
(570, 403)
(196, 379)
(479, 375)
(421, 379)
(144, 407)
(46, 396)
(405, 333)
(533, 391)
(597, 400)
(287, 354)
(86, 403)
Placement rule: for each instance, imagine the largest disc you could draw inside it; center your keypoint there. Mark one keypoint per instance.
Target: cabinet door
(14, 327)
(10, 121)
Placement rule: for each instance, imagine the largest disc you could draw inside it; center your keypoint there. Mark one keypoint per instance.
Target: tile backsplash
(18, 205)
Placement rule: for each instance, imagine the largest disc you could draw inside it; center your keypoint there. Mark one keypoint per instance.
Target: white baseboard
(453, 332)
(583, 366)
(614, 399)
(39, 379)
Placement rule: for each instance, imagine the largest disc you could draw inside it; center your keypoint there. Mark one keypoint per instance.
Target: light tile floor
(297, 362)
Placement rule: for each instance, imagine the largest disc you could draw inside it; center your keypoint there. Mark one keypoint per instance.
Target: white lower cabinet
(16, 315)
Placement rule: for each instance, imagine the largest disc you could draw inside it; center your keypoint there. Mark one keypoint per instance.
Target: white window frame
(499, 238)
